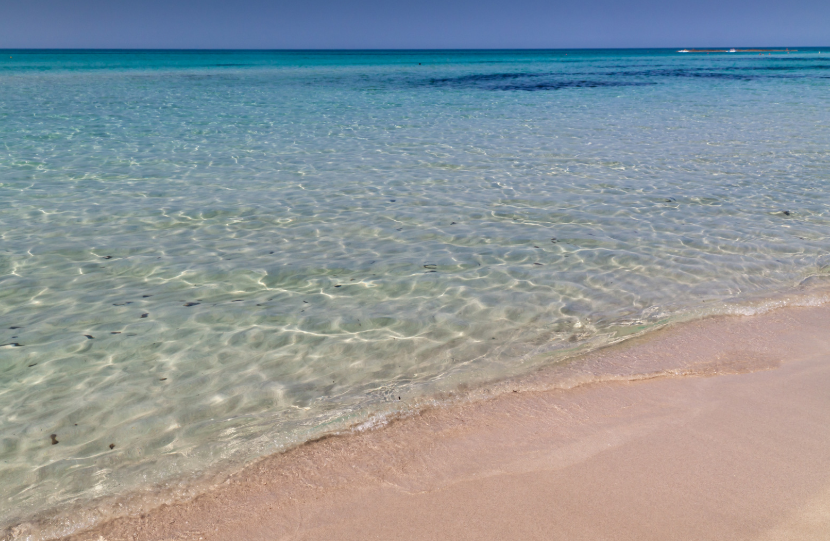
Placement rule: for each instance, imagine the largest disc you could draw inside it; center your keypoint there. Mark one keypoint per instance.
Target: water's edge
(568, 371)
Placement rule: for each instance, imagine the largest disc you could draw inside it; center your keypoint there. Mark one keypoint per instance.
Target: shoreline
(203, 315)
(577, 365)
(490, 443)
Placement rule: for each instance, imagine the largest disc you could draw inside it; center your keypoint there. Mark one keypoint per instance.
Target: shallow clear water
(209, 256)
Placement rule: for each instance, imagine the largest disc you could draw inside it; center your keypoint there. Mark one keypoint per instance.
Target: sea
(211, 256)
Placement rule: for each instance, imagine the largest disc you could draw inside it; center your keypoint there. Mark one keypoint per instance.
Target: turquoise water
(208, 256)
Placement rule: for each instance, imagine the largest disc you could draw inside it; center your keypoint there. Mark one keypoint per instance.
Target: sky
(412, 24)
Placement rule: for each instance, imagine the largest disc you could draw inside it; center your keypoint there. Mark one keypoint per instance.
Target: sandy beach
(721, 430)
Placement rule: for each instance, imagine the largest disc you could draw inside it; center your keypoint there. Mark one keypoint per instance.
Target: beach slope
(731, 443)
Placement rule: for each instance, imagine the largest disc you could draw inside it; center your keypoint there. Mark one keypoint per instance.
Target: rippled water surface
(208, 256)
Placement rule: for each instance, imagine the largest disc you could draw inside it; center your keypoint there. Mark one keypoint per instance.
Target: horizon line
(378, 49)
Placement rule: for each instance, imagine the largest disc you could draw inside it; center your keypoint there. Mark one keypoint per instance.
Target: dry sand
(729, 440)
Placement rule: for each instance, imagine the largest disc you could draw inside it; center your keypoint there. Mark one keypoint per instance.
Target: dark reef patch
(528, 82)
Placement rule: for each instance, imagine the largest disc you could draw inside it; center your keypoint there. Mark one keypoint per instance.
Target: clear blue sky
(411, 24)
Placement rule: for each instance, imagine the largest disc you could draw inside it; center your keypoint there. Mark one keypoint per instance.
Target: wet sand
(716, 429)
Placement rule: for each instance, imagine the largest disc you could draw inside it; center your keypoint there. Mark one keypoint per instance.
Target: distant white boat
(683, 51)
(731, 50)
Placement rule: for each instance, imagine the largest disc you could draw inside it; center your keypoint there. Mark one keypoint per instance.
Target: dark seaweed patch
(528, 82)
(562, 85)
(484, 77)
